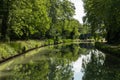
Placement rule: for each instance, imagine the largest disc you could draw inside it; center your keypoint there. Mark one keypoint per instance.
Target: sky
(79, 11)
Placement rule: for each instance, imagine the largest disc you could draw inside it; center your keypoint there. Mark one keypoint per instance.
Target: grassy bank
(111, 49)
(10, 49)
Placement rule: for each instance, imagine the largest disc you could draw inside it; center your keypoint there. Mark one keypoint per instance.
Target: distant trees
(24, 19)
(104, 16)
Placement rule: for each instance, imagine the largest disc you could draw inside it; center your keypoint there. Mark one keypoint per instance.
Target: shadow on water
(87, 45)
(101, 67)
(62, 62)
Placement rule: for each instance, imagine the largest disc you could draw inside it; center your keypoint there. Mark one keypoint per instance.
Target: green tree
(60, 12)
(103, 16)
(26, 19)
(30, 19)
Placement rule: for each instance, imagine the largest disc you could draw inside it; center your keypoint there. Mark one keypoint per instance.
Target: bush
(12, 48)
(50, 41)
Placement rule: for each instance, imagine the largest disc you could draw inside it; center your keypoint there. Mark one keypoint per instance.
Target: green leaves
(28, 19)
(103, 12)
(39, 19)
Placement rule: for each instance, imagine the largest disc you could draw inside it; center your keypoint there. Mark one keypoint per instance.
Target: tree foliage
(36, 19)
(103, 17)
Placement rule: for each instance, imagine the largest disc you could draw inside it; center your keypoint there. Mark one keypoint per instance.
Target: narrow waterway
(75, 61)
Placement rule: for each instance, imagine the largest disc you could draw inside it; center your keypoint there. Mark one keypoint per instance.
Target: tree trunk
(4, 26)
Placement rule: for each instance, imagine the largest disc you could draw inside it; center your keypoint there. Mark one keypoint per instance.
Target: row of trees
(24, 19)
(104, 17)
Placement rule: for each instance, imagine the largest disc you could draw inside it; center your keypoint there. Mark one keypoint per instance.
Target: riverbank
(107, 48)
(9, 50)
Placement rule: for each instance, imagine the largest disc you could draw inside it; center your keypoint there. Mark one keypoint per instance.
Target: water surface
(74, 61)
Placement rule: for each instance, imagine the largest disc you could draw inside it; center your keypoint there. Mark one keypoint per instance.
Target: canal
(74, 61)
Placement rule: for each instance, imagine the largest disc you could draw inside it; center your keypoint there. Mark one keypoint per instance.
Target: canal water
(75, 61)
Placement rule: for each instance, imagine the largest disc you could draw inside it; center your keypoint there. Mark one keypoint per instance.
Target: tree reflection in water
(53, 63)
(101, 67)
(57, 63)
